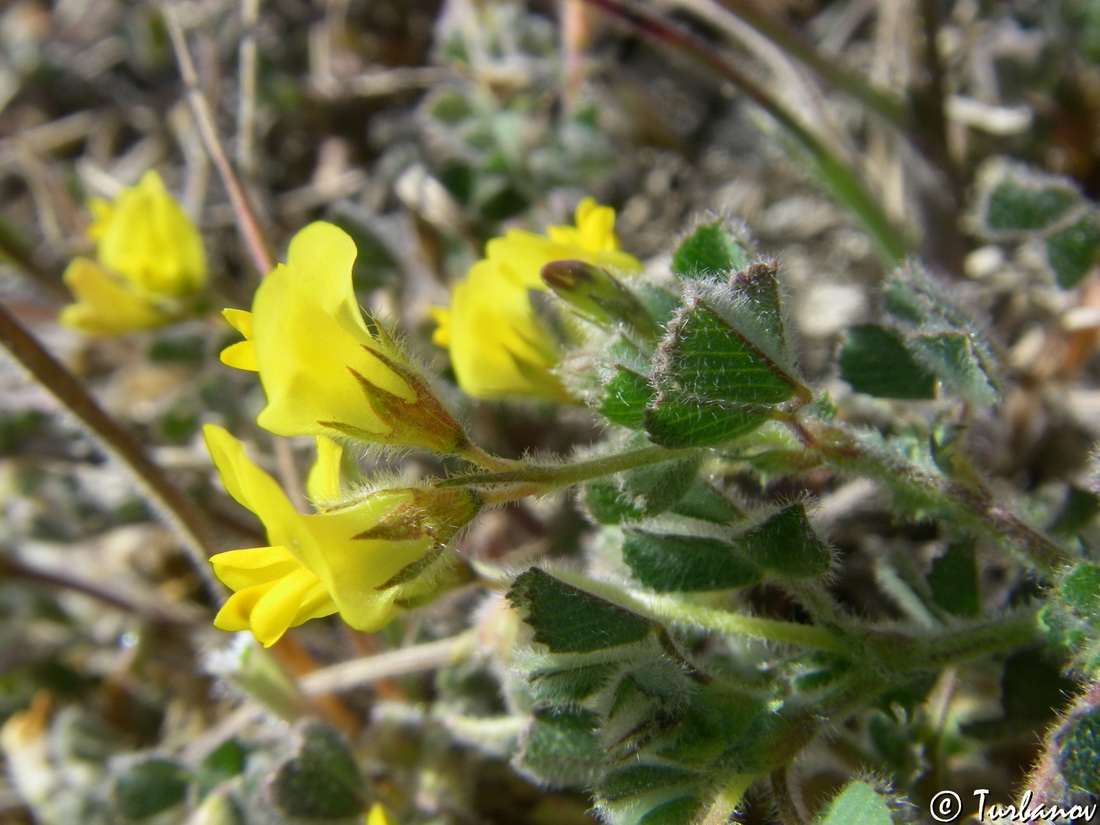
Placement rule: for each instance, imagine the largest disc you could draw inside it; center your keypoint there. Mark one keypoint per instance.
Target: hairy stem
(552, 477)
(971, 503)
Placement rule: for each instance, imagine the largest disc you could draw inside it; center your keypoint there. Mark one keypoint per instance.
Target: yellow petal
(323, 482)
(104, 304)
(253, 488)
(291, 601)
(238, 569)
(442, 317)
(313, 349)
(147, 239)
(379, 815)
(498, 346)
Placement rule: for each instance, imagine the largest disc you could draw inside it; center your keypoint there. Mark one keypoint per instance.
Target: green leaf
(148, 788)
(686, 563)
(954, 581)
(704, 502)
(321, 780)
(1079, 754)
(220, 765)
(675, 812)
(642, 492)
(568, 620)
(860, 803)
(1018, 202)
(709, 250)
(1079, 509)
(674, 422)
(1073, 252)
(625, 398)
(787, 545)
(956, 360)
(560, 748)
(570, 686)
(875, 361)
(638, 779)
(704, 357)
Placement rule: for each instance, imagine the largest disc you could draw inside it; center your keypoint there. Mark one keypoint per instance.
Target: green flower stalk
(149, 262)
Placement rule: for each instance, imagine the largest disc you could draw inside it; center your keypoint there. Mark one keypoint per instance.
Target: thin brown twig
(246, 216)
(168, 500)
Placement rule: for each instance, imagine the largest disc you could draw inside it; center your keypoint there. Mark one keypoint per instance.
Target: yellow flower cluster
(329, 373)
(499, 346)
(149, 261)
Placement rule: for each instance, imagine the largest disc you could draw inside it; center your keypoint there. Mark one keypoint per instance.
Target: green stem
(970, 503)
(904, 654)
(167, 499)
(668, 610)
(550, 477)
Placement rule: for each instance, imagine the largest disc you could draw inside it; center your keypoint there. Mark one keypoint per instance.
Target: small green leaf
(1079, 754)
(568, 620)
(638, 779)
(1073, 252)
(560, 748)
(625, 398)
(563, 687)
(675, 422)
(860, 803)
(954, 581)
(1079, 509)
(686, 563)
(704, 357)
(704, 502)
(874, 361)
(321, 780)
(709, 250)
(643, 492)
(957, 361)
(1018, 201)
(148, 788)
(787, 545)
(675, 812)
(220, 765)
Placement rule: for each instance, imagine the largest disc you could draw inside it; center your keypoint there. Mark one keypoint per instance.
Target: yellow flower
(498, 345)
(359, 558)
(379, 815)
(149, 259)
(324, 371)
